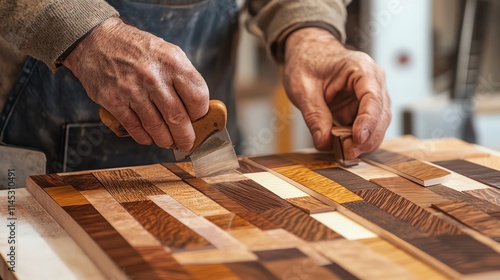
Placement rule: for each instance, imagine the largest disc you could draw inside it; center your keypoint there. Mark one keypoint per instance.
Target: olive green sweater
(44, 29)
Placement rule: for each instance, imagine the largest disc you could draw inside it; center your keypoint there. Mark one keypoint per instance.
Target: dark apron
(52, 113)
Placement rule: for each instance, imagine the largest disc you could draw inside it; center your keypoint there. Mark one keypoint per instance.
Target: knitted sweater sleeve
(273, 20)
(45, 29)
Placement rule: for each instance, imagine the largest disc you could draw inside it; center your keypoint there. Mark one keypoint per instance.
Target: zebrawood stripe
(230, 205)
(408, 212)
(170, 231)
(485, 175)
(110, 242)
(423, 197)
(347, 179)
(318, 183)
(310, 205)
(386, 157)
(299, 223)
(472, 217)
(462, 253)
(420, 170)
(479, 202)
(126, 186)
(66, 196)
(384, 220)
(251, 195)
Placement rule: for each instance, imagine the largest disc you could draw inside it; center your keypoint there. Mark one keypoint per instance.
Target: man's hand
(332, 85)
(149, 85)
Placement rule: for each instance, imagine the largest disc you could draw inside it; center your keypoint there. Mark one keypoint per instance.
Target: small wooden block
(341, 134)
(66, 196)
(310, 205)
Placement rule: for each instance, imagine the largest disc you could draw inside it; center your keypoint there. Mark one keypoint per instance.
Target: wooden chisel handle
(214, 121)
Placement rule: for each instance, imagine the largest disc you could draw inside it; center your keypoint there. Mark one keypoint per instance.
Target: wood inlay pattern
(460, 252)
(299, 223)
(66, 196)
(423, 197)
(408, 211)
(412, 169)
(49, 180)
(318, 183)
(485, 175)
(251, 195)
(472, 217)
(171, 232)
(126, 186)
(347, 179)
(82, 182)
(310, 205)
(480, 202)
(384, 220)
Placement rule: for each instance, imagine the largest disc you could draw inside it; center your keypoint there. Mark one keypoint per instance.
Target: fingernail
(365, 133)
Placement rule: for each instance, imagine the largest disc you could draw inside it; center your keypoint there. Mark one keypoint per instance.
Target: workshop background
(441, 60)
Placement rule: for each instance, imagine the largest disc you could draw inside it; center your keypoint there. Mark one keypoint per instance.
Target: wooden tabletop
(303, 216)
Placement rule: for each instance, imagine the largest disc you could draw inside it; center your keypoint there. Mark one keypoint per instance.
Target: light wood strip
(257, 239)
(422, 197)
(156, 174)
(213, 234)
(416, 267)
(214, 256)
(119, 218)
(277, 185)
(66, 196)
(126, 186)
(368, 171)
(461, 183)
(211, 272)
(318, 183)
(344, 226)
(186, 166)
(229, 221)
(361, 261)
(310, 205)
(491, 161)
(472, 217)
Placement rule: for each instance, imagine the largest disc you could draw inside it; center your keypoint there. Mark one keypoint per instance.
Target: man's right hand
(148, 84)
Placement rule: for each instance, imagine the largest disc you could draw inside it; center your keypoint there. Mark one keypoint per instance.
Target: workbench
(296, 216)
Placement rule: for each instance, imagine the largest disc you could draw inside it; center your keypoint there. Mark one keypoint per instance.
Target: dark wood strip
(251, 195)
(491, 195)
(230, 205)
(248, 168)
(472, 217)
(125, 185)
(347, 179)
(386, 157)
(181, 173)
(111, 242)
(292, 264)
(48, 181)
(299, 223)
(460, 252)
(483, 174)
(210, 272)
(454, 195)
(310, 205)
(408, 212)
(162, 263)
(229, 221)
(384, 220)
(251, 270)
(168, 230)
(83, 182)
(272, 161)
(340, 271)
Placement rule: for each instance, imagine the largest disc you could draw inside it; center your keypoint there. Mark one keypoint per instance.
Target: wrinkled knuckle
(153, 126)
(176, 119)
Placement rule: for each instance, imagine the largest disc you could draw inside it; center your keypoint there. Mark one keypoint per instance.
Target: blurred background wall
(441, 60)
